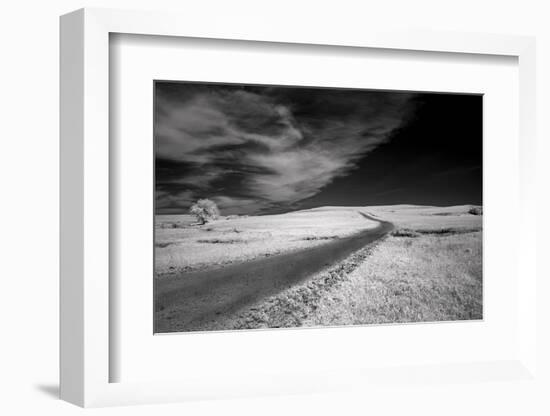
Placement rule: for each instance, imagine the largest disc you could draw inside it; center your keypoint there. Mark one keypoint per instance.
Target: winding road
(186, 301)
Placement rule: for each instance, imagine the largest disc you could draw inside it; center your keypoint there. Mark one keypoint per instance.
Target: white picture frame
(85, 222)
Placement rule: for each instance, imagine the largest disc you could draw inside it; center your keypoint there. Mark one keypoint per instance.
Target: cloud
(254, 148)
(173, 202)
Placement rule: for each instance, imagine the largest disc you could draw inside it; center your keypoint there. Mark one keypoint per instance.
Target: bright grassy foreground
(427, 278)
(431, 276)
(182, 245)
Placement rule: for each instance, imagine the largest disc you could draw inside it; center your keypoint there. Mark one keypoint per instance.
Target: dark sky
(263, 149)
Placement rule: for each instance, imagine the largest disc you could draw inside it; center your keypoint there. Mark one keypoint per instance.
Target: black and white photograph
(247, 208)
(286, 206)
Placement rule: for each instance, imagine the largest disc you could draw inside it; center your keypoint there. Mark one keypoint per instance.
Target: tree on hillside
(205, 210)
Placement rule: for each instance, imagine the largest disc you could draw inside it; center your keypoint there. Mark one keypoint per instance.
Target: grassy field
(181, 245)
(422, 218)
(428, 269)
(419, 279)
(433, 273)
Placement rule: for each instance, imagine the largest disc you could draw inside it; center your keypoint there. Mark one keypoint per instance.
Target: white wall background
(29, 208)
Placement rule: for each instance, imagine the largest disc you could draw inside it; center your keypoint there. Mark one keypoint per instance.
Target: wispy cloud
(256, 148)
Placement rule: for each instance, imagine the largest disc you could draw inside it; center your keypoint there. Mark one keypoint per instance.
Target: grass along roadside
(398, 279)
(426, 278)
(291, 307)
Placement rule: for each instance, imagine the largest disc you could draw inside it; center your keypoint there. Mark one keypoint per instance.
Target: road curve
(189, 300)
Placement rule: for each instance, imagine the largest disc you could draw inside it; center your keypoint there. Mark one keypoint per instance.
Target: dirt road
(186, 301)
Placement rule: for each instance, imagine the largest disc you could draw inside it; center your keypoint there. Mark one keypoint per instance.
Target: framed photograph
(273, 212)
(274, 204)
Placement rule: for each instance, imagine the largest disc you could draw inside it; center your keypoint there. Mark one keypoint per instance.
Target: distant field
(428, 218)
(182, 245)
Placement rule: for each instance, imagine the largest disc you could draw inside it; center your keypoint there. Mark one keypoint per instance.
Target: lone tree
(205, 210)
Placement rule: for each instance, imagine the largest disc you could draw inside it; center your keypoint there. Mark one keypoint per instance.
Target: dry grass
(399, 279)
(405, 232)
(221, 241)
(182, 245)
(322, 237)
(426, 218)
(428, 278)
(428, 269)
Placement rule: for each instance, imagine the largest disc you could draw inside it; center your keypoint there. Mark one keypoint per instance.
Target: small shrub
(219, 241)
(405, 232)
(163, 245)
(448, 231)
(440, 231)
(476, 211)
(315, 237)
